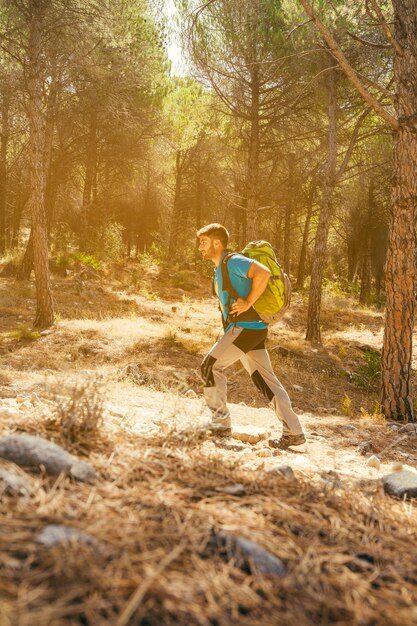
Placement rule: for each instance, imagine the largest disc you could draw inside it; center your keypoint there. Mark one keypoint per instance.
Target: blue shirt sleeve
(239, 266)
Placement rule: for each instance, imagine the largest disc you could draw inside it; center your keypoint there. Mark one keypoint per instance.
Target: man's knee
(207, 371)
(262, 385)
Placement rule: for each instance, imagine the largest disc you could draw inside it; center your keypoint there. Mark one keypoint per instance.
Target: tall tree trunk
(90, 170)
(176, 218)
(289, 208)
(253, 159)
(44, 313)
(5, 106)
(304, 245)
(366, 273)
(400, 271)
(320, 247)
(50, 176)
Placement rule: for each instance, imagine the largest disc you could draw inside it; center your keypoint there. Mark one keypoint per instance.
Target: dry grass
(155, 509)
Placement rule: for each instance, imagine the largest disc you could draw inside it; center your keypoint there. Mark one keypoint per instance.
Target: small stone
(250, 555)
(349, 427)
(13, 484)
(283, 470)
(44, 333)
(174, 309)
(232, 490)
(56, 535)
(298, 388)
(331, 479)
(264, 452)
(190, 393)
(401, 484)
(365, 447)
(374, 462)
(409, 428)
(250, 434)
(234, 446)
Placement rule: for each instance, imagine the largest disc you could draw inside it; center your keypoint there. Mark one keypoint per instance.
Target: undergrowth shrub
(80, 414)
(22, 332)
(368, 374)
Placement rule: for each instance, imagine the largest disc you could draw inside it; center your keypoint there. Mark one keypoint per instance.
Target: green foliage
(368, 374)
(22, 332)
(185, 279)
(107, 243)
(153, 255)
(86, 259)
(346, 405)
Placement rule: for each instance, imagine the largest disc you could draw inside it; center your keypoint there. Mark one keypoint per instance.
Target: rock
(365, 447)
(7, 392)
(401, 484)
(82, 471)
(264, 452)
(235, 447)
(232, 490)
(190, 393)
(282, 470)
(45, 333)
(174, 309)
(56, 535)
(349, 427)
(373, 461)
(250, 555)
(13, 484)
(36, 452)
(409, 428)
(331, 480)
(250, 434)
(8, 412)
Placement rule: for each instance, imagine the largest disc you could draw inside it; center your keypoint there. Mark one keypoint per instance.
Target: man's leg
(259, 366)
(229, 349)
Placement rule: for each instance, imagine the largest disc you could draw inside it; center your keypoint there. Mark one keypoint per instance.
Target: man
(243, 339)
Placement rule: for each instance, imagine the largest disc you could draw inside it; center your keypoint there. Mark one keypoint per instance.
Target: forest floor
(127, 348)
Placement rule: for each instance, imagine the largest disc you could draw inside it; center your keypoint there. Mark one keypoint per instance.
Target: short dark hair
(215, 231)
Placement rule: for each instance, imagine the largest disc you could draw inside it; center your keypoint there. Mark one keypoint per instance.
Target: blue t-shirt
(238, 267)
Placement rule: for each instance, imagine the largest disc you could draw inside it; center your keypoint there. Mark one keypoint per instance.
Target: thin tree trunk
(5, 106)
(44, 313)
(176, 211)
(366, 273)
(304, 246)
(320, 247)
(253, 160)
(90, 170)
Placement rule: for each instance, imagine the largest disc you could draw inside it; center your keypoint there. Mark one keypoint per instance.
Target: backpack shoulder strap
(227, 283)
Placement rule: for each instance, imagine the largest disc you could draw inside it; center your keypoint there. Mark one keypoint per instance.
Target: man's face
(206, 247)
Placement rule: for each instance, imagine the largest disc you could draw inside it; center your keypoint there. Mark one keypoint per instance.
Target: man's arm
(260, 276)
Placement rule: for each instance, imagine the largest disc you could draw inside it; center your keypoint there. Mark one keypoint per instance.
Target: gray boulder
(13, 484)
(38, 453)
(401, 484)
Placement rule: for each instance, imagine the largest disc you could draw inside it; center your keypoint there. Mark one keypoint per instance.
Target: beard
(209, 253)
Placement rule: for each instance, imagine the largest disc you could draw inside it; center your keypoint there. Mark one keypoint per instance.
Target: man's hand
(240, 306)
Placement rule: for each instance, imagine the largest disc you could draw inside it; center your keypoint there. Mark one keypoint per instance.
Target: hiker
(243, 340)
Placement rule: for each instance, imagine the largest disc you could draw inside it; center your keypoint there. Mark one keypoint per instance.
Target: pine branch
(347, 68)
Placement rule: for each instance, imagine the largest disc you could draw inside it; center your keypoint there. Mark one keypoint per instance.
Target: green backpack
(276, 298)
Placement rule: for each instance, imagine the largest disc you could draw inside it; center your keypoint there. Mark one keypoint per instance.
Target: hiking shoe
(287, 440)
(220, 432)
